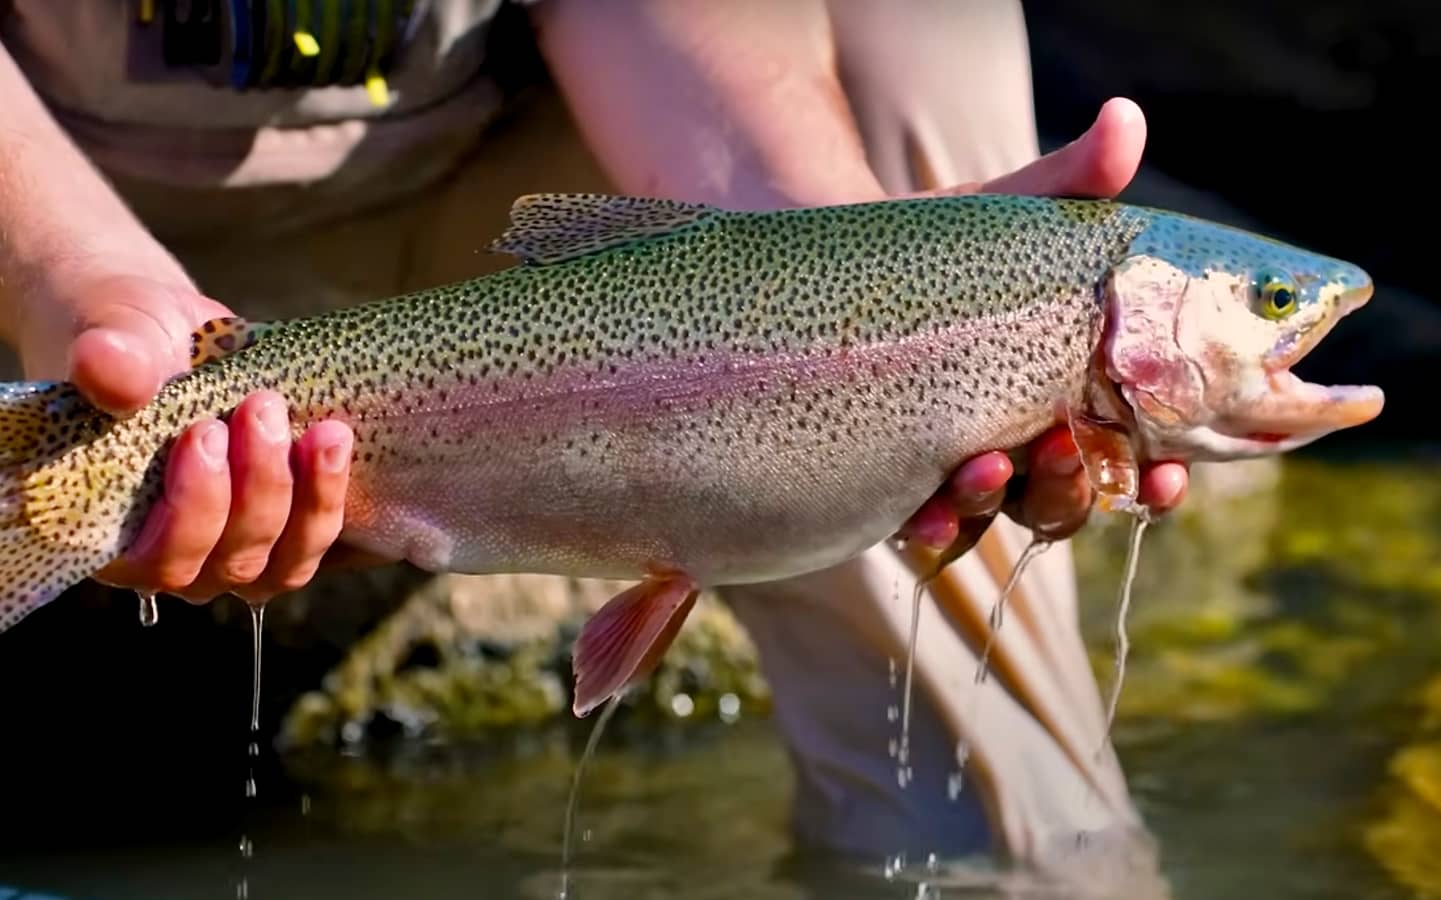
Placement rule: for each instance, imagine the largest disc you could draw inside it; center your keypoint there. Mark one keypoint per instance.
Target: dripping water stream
(257, 625)
(1035, 548)
(252, 750)
(1123, 608)
(572, 802)
(904, 772)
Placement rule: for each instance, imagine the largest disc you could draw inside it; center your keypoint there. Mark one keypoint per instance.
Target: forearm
(737, 104)
(58, 216)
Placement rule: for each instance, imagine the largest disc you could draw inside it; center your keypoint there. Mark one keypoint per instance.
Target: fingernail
(980, 478)
(334, 457)
(214, 445)
(273, 421)
(1171, 493)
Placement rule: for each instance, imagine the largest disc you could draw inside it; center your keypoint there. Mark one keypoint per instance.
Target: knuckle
(327, 532)
(316, 531)
(295, 579)
(175, 577)
(330, 504)
(244, 568)
(325, 496)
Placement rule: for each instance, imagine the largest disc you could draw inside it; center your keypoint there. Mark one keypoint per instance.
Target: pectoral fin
(627, 638)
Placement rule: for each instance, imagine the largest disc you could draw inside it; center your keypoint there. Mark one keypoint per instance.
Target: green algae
(1265, 596)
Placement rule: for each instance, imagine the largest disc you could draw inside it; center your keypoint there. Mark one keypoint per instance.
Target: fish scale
(659, 390)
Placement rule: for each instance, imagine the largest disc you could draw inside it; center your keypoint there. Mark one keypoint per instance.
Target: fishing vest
(256, 92)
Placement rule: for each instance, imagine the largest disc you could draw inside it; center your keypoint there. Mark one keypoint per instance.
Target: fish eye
(1277, 295)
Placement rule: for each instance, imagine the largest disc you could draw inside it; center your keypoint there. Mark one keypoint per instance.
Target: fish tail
(61, 498)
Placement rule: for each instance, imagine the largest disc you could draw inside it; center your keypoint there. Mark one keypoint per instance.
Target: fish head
(1205, 322)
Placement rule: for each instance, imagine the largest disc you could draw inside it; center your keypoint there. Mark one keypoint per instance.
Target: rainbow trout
(691, 397)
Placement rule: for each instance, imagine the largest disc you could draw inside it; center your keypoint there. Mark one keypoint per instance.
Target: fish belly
(732, 471)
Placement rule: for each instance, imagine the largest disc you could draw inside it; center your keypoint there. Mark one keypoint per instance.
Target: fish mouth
(1293, 408)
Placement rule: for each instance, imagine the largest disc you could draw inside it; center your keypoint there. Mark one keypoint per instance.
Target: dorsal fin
(548, 228)
(218, 338)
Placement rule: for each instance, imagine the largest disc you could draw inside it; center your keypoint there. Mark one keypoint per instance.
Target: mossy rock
(465, 655)
(1404, 833)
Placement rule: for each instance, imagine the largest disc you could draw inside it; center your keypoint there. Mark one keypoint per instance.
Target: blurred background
(1282, 721)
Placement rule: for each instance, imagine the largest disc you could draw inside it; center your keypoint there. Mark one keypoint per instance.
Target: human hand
(247, 508)
(1056, 498)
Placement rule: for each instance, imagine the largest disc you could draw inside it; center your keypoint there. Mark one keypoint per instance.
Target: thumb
(1099, 163)
(117, 368)
(128, 345)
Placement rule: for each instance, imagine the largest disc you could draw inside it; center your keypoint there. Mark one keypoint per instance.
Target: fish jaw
(1202, 353)
(1293, 411)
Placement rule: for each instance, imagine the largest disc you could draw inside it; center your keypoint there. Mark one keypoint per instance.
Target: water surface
(1282, 640)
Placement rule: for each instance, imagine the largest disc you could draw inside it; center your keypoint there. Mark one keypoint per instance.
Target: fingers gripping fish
(691, 397)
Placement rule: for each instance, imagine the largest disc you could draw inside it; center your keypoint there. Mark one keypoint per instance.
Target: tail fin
(56, 528)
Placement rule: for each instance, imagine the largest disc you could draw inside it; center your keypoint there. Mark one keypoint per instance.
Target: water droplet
(954, 783)
(253, 749)
(149, 612)
(250, 788)
(904, 773)
(247, 847)
(682, 705)
(891, 748)
(933, 863)
(586, 835)
(893, 713)
(893, 674)
(730, 708)
(242, 890)
(894, 866)
(305, 804)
